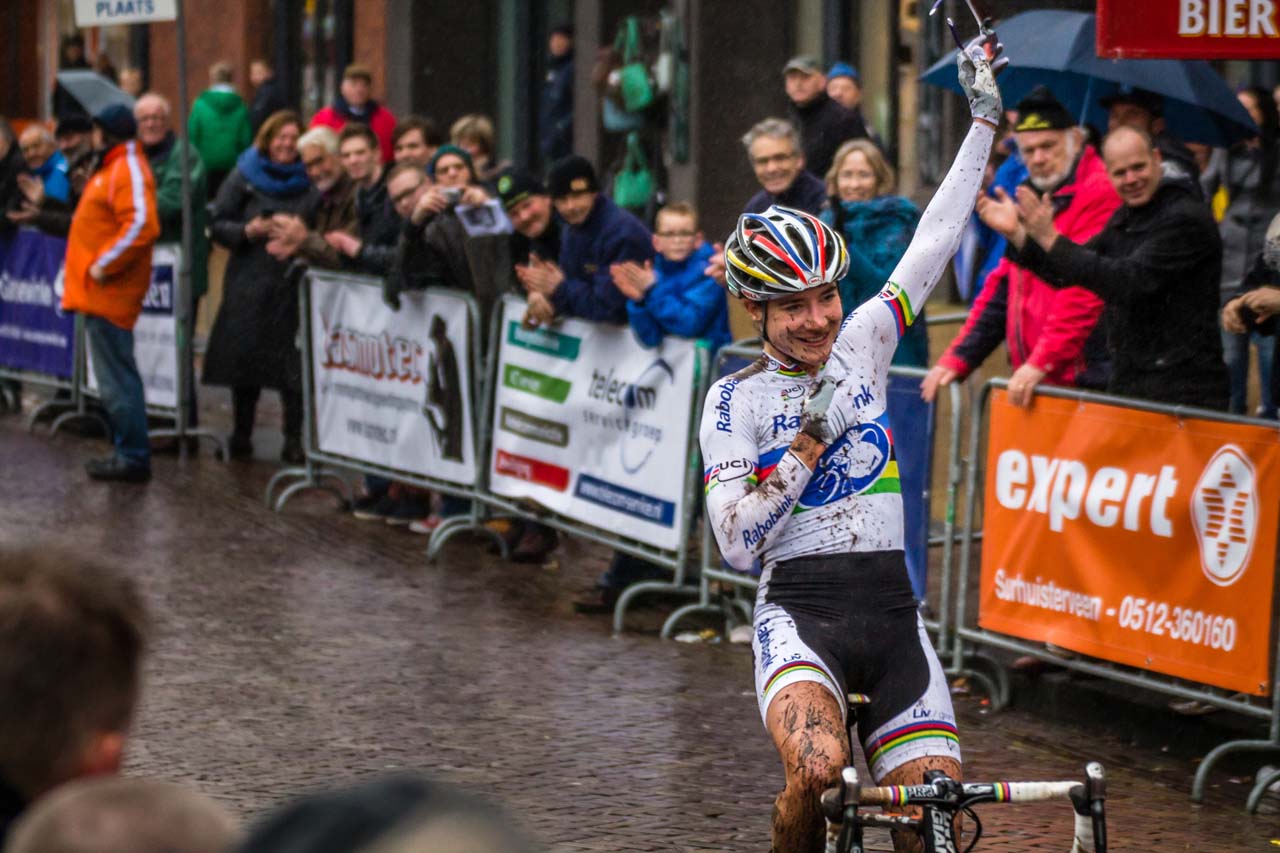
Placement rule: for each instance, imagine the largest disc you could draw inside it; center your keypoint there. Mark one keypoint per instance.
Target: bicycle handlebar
(941, 795)
(996, 792)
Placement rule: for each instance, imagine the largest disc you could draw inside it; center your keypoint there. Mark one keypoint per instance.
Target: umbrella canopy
(94, 92)
(1056, 48)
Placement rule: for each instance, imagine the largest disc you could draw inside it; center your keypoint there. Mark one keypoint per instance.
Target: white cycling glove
(979, 80)
(824, 417)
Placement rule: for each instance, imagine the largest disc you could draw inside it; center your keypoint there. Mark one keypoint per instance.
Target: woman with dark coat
(1250, 173)
(252, 344)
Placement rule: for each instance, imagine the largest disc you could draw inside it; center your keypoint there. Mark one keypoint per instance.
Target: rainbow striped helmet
(780, 252)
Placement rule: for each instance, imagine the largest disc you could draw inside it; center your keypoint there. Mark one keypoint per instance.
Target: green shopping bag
(633, 78)
(633, 185)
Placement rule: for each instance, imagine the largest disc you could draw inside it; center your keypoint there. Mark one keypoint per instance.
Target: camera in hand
(451, 194)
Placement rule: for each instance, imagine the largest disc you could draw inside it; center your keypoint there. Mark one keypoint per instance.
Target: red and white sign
(1189, 29)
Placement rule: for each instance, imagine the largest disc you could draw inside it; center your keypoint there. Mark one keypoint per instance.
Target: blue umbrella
(1056, 48)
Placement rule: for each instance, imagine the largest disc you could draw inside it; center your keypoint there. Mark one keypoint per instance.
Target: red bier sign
(1189, 29)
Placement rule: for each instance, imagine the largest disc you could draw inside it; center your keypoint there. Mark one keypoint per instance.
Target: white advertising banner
(594, 426)
(155, 335)
(393, 388)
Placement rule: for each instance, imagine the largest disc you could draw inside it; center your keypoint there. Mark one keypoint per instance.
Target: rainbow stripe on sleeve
(710, 480)
(896, 298)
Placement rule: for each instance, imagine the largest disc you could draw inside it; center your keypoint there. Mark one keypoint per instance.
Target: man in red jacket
(354, 104)
(1052, 334)
(108, 273)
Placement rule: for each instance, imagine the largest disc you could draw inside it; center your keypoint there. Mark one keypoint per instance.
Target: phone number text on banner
(393, 388)
(1134, 537)
(592, 425)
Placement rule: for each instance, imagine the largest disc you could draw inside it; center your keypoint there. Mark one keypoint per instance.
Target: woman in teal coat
(877, 226)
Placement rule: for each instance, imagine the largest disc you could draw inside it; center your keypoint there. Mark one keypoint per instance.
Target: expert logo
(1224, 511)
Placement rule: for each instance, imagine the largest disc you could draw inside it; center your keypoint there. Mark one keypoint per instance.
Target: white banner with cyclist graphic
(155, 335)
(392, 388)
(594, 426)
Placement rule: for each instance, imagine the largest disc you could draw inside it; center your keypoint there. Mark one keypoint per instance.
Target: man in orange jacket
(108, 273)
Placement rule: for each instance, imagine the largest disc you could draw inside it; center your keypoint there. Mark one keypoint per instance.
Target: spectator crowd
(1130, 262)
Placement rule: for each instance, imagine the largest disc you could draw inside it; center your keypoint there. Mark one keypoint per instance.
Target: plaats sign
(106, 13)
(1189, 29)
(1134, 537)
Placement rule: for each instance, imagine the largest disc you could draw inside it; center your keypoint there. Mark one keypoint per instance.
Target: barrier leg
(48, 409)
(702, 605)
(1263, 782)
(471, 523)
(276, 478)
(313, 482)
(80, 414)
(309, 476)
(993, 677)
(1222, 751)
(219, 443)
(637, 589)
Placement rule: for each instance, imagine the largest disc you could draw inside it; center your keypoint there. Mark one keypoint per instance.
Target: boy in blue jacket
(672, 295)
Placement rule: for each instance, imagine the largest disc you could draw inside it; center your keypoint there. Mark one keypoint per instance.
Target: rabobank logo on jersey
(1224, 511)
(860, 462)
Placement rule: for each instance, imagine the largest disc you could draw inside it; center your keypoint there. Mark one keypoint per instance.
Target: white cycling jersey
(763, 502)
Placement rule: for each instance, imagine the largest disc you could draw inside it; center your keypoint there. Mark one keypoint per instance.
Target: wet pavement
(305, 649)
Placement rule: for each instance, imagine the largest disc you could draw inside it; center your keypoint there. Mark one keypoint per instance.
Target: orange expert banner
(1133, 537)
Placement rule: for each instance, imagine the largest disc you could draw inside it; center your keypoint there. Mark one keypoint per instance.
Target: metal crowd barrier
(738, 602)
(38, 269)
(321, 470)
(676, 560)
(969, 639)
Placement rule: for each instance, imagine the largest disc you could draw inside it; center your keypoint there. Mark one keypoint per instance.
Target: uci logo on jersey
(850, 466)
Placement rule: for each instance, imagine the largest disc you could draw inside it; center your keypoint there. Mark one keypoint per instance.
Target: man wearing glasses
(773, 147)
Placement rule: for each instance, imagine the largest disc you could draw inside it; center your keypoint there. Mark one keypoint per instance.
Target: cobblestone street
(308, 648)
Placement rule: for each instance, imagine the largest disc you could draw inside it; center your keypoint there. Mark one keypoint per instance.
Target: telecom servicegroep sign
(1134, 537)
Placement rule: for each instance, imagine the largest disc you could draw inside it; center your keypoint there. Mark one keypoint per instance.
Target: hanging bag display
(633, 185)
(633, 78)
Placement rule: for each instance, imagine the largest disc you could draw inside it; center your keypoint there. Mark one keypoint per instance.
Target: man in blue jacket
(45, 161)
(599, 234)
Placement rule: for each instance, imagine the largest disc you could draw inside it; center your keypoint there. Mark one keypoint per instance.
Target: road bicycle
(940, 799)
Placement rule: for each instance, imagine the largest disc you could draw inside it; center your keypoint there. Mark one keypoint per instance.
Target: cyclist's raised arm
(749, 496)
(941, 226)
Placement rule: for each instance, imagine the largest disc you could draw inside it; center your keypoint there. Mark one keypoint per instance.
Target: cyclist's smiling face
(803, 327)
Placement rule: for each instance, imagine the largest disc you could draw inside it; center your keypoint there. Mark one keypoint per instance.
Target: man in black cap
(1052, 335)
(1144, 110)
(537, 225)
(74, 135)
(599, 234)
(538, 231)
(823, 123)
